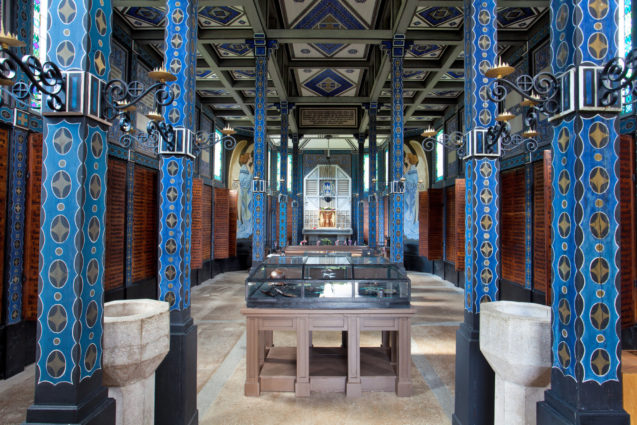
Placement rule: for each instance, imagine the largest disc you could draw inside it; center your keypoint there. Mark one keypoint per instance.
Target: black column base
(555, 411)
(475, 380)
(176, 376)
(97, 409)
(14, 340)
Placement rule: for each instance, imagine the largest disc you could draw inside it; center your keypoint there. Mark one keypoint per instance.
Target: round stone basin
(522, 311)
(136, 339)
(515, 338)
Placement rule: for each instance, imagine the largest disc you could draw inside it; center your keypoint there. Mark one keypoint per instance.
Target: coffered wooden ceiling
(329, 52)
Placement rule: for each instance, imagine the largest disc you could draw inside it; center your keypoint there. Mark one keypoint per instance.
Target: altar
(327, 195)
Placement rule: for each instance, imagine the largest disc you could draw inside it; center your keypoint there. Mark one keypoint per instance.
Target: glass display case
(327, 281)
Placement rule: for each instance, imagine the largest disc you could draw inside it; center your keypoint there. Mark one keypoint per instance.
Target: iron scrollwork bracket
(204, 140)
(43, 78)
(618, 74)
(541, 90)
(453, 141)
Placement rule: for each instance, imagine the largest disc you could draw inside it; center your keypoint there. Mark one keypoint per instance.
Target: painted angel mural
(411, 196)
(244, 207)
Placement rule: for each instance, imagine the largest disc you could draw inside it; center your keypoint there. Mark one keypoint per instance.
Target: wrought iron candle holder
(204, 140)
(43, 78)
(121, 99)
(453, 141)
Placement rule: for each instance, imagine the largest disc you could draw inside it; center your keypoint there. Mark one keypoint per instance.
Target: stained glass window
(289, 173)
(366, 172)
(625, 46)
(440, 156)
(39, 41)
(218, 156)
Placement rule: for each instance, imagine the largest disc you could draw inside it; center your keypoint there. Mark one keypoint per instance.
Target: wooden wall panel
(290, 215)
(222, 212)
(512, 224)
(366, 222)
(542, 225)
(431, 224)
(460, 223)
(4, 185)
(450, 225)
(115, 246)
(628, 237)
(196, 260)
(145, 224)
(233, 197)
(32, 228)
(206, 217)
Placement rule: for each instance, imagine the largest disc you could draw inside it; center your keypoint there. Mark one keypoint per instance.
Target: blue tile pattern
(373, 204)
(585, 246)
(176, 171)
(15, 224)
(69, 347)
(482, 244)
(283, 177)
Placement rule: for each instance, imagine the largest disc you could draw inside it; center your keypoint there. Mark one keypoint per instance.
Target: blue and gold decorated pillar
(372, 199)
(474, 377)
(296, 189)
(396, 51)
(68, 371)
(382, 173)
(284, 107)
(360, 206)
(586, 351)
(14, 356)
(175, 382)
(262, 48)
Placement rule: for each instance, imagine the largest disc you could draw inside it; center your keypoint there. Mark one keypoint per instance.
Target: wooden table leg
(252, 358)
(353, 388)
(403, 383)
(261, 344)
(302, 385)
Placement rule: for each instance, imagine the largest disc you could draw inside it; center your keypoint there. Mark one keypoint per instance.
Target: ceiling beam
(209, 84)
(448, 59)
(403, 19)
(257, 19)
(209, 56)
(501, 3)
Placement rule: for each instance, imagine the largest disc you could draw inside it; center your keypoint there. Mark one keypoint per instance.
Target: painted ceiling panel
(233, 50)
(454, 76)
(328, 82)
(226, 106)
(212, 93)
(325, 14)
(206, 74)
(329, 50)
(437, 17)
(406, 93)
(223, 17)
(424, 51)
(243, 75)
(514, 18)
(252, 93)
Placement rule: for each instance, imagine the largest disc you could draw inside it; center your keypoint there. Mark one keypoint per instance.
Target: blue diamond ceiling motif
(328, 82)
(329, 15)
(519, 18)
(424, 51)
(223, 16)
(233, 50)
(437, 17)
(144, 17)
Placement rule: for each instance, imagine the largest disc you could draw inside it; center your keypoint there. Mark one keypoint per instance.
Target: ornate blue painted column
(262, 49)
(296, 208)
(474, 377)
(175, 381)
(360, 205)
(373, 197)
(13, 332)
(396, 50)
(284, 107)
(585, 377)
(68, 370)
(382, 173)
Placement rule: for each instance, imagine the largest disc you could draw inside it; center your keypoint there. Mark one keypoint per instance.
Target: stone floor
(221, 366)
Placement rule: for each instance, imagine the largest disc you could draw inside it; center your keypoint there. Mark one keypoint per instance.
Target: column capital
(261, 45)
(397, 46)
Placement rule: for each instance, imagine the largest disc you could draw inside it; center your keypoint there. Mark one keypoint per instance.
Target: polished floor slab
(221, 365)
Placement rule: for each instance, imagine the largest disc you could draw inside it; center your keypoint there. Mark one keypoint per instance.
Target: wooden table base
(350, 369)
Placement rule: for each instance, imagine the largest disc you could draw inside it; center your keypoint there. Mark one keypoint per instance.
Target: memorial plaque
(329, 117)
